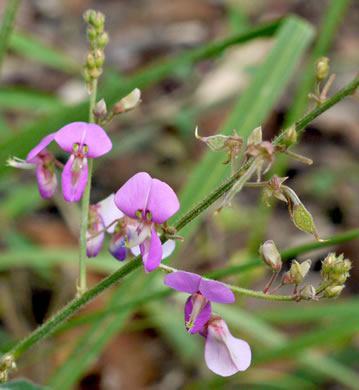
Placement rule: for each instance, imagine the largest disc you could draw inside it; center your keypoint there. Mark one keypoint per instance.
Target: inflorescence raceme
(136, 215)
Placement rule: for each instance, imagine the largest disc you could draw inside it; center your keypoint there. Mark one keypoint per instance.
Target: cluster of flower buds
(224, 354)
(132, 217)
(232, 144)
(7, 363)
(98, 39)
(335, 272)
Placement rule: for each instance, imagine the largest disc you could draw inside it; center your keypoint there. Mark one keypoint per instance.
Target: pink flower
(95, 225)
(149, 201)
(224, 354)
(83, 140)
(198, 308)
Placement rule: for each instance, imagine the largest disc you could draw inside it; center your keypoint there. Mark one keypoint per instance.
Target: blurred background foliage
(221, 65)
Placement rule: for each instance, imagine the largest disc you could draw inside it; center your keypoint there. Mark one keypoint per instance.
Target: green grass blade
(30, 47)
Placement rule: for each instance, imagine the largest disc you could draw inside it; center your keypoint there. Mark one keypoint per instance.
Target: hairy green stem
(81, 287)
(163, 292)
(62, 315)
(7, 26)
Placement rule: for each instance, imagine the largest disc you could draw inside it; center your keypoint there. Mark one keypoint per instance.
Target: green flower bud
(333, 291)
(99, 21)
(90, 61)
(6, 362)
(290, 137)
(322, 68)
(99, 57)
(91, 33)
(308, 292)
(89, 16)
(299, 271)
(270, 255)
(339, 279)
(95, 73)
(128, 103)
(102, 40)
(3, 376)
(100, 109)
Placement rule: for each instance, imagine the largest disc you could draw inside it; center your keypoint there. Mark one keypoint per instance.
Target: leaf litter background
(295, 346)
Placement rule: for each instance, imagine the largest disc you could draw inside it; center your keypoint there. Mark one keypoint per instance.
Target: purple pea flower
(224, 354)
(198, 308)
(83, 140)
(149, 201)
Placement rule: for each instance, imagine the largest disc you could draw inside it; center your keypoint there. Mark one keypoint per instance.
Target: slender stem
(82, 285)
(62, 315)
(7, 26)
(271, 281)
(103, 230)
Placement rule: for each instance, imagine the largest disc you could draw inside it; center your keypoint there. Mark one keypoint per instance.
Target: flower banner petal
(162, 202)
(133, 195)
(109, 212)
(31, 157)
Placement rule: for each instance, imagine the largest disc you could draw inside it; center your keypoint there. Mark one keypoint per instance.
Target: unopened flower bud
(89, 16)
(6, 362)
(342, 266)
(290, 137)
(322, 68)
(308, 292)
(270, 255)
(90, 61)
(255, 137)
(339, 278)
(100, 109)
(3, 376)
(333, 291)
(328, 263)
(299, 271)
(99, 21)
(128, 103)
(287, 278)
(95, 73)
(102, 40)
(99, 57)
(91, 33)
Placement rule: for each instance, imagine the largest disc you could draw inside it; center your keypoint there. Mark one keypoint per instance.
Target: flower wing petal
(182, 281)
(162, 201)
(133, 195)
(151, 250)
(31, 157)
(46, 181)
(216, 291)
(109, 212)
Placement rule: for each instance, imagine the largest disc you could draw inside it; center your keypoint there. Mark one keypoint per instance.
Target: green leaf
(30, 47)
(21, 384)
(251, 110)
